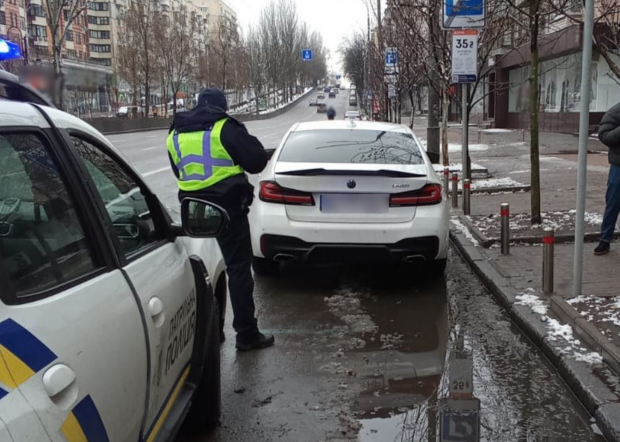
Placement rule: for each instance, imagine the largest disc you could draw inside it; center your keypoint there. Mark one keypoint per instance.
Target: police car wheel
(265, 267)
(207, 401)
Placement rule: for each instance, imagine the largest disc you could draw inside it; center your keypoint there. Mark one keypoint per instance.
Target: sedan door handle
(156, 310)
(60, 386)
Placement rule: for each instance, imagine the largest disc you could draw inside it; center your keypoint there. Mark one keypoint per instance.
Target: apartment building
(13, 24)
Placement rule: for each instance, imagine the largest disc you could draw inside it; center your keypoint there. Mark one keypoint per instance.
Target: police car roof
(343, 124)
(13, 113)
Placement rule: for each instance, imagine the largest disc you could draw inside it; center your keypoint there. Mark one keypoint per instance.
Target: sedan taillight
(271, 192)
(426, 196)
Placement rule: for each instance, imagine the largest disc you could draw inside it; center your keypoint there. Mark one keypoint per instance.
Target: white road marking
(151, 148)
(156, 171)
(154, 136)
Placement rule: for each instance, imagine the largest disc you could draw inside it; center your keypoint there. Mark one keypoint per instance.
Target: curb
(600, 401)
(488, 242)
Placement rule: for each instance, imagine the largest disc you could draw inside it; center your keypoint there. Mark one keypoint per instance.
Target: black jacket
(234, 194)
(609, 133)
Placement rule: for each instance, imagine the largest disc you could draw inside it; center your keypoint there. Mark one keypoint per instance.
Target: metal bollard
(548, 257)
(466, 196)
(523, 134)
(455, 190)
(479, 136)
(505, 228)
(446, 180)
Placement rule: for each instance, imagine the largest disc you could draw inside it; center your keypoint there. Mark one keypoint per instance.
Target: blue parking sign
(460, 420)
(306, 54)
(456, 8)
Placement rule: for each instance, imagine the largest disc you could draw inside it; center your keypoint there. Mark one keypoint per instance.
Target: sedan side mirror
(202, 219)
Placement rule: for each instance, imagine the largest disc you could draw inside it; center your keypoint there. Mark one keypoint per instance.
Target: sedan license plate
(354, 203)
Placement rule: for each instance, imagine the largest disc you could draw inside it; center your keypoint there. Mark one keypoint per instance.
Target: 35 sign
(462, 43)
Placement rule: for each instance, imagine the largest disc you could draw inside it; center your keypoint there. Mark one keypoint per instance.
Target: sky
(334, 19)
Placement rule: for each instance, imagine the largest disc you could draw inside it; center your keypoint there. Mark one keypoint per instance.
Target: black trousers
(236, 247)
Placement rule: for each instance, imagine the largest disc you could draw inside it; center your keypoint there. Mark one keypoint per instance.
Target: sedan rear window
(351, 146)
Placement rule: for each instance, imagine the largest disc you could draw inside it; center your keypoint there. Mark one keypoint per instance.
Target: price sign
(461, 378)
(465, 56)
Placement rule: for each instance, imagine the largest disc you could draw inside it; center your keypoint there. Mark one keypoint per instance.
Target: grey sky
(334, 19)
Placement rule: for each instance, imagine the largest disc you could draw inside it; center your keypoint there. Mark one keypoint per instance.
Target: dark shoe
(254, 342)
(602, 248)
(222, 337)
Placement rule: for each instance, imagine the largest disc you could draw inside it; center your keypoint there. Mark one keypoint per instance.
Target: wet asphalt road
(364, 354)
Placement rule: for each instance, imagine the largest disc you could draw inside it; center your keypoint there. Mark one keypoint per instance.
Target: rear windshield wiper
(380, 172)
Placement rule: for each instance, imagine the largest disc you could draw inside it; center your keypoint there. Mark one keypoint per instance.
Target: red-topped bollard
(466, 197)
(548, 258)
(446, 180)
(455, 191)
(505, 228)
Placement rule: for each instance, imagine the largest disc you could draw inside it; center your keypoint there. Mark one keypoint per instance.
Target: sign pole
(465, 119)
(582, 163)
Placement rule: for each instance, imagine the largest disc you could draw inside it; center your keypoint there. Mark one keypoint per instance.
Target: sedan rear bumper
(413, 250)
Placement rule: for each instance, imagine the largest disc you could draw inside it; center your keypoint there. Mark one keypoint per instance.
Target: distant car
(352, 101)
(321, 96)
(332, 94)
(321, 108)
(126, 111)
(327, 90)
(342, 191)
(313, 102)
(353, 115)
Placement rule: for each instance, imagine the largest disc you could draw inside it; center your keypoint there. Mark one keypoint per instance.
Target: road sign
(390, 78)
(460, 420)
(369, 95)
(391, 91)
(306, 54)
(463, 14)
(391, 57)
(464, 56)
(338, 77)
(461, 378)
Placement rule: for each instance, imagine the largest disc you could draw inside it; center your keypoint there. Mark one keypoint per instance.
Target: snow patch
(457, 167)
(530, 299)
(497, 131)
(519, 171)
(495, 182)
(453, 147)
(458, 225)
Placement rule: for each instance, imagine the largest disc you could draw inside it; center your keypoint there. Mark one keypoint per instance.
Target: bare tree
(60, 15)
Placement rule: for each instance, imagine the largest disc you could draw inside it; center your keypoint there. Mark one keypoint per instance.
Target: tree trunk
(444, 128)
(413, 107)
(534, 109)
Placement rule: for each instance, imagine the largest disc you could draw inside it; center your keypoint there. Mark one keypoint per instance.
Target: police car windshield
(351, 146)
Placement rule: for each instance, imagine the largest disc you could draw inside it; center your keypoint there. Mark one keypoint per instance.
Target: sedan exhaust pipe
(282, 257)
(414, 259)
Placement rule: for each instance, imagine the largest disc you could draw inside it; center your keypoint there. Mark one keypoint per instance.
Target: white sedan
(349, 191)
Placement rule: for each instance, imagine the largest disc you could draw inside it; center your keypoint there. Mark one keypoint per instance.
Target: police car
(109, 310)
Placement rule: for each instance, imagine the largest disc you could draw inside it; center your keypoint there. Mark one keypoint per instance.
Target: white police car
(109, 323)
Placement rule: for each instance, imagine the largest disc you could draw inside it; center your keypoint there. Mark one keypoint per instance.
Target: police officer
(331, 113)
(210, 152)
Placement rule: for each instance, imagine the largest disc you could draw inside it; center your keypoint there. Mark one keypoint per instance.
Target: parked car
(106, 301)
(128, 111)
(369, 186)
(321, 108)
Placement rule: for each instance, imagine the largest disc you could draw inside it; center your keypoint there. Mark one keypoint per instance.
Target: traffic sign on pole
(391, 61)
(306, 54)
(463, 14)
(465, 56)
(460, 420)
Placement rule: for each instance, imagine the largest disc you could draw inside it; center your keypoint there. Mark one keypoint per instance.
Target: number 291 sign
(464, 56)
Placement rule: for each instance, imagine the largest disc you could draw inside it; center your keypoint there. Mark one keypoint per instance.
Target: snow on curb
(458, 225)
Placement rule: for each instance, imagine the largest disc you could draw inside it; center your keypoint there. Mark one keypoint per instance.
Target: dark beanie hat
(212, 97)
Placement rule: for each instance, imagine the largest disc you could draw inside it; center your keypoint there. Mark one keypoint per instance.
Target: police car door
(71, 339)
(159, 269)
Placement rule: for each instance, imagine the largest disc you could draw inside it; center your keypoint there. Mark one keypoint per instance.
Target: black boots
(254, 342)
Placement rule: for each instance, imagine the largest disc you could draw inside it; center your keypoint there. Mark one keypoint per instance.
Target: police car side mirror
(270, 153)
(202, 219)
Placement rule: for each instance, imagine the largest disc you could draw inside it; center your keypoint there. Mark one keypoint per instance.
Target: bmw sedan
(349, 191)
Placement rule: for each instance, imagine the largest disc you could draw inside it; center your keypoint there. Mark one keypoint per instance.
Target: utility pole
(432, 131)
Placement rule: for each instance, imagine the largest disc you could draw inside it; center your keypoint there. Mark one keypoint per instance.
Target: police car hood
(199, 118)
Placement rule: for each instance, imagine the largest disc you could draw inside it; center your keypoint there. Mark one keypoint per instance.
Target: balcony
(38, 40)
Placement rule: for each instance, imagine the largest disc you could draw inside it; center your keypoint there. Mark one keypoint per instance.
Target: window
(78, 38)
(100, 48)
(101, 61)
(99, 34)
(123, 199)
(98, 6)
(351, 146)
(98, 20)
(42, 243)
(65, 13)
(2, 18)
(69, 36)
(37, 31)
(37, 10)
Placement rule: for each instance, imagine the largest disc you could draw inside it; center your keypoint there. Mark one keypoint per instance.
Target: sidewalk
(581, 336)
